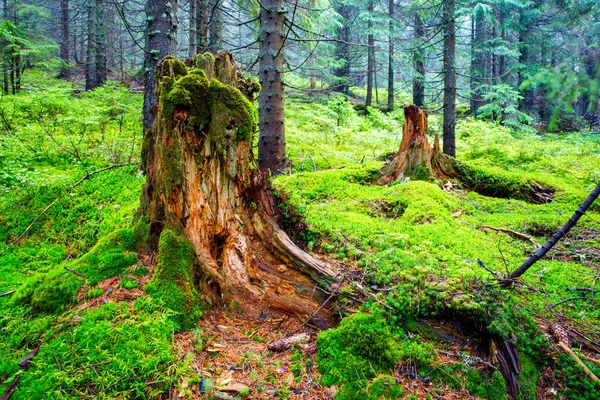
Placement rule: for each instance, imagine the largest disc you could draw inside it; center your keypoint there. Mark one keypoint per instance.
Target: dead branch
(556, 237)
(285, 343)
(575, 358)
(511, 233)
(76, 272)
(7, 293)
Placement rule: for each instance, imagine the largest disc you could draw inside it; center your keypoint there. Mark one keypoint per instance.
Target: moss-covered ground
(417, 243)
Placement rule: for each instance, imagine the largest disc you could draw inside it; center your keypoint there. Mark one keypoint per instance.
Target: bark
(342, 50)
(161, 40)
(215, 26)
(201, 182)
(527, 104)
(417, 159)
(193, 27)
(477, 60)
(370, 56)
(562, 232)
(271, 144)
(101, 44)
(90, 59)
(449, 104)
(419, 64)
(202, 16)
(390, 99)
(64, 38)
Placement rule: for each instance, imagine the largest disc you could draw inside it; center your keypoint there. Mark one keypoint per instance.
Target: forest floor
(435, 323)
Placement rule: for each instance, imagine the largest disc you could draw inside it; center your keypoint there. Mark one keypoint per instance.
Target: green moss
(528, 378)
(53, 290)
(173, 279)
(355, 352)
(384, 387)
(487, 387)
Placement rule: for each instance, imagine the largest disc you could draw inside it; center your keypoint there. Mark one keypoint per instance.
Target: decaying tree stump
(416, 159)
(202, 183)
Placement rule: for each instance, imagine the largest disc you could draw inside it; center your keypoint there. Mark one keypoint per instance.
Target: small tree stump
(417, 159)
(202, 183)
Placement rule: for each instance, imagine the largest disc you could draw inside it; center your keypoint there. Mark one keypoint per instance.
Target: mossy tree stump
(202, 184)
(417, 159)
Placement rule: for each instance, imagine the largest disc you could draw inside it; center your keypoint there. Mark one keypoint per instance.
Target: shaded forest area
(350, 199)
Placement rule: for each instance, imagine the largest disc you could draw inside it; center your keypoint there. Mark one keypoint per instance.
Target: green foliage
(384, 387)
(173, 282)
(501, 105)
(487, 387)
(579, 386)
(52, 291)
(96, 353)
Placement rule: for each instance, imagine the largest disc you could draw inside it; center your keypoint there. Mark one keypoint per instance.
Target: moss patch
(173, 279)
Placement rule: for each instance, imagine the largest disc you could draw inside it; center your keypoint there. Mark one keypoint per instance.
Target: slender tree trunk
(161, 40)
(370, 56)
(64, 38)
(215, 26)
(477, 60)
(449, 78)
(101, 43)
(90, 59)
(193, 27)
(271, 144)
(526, 105)
(202, 18)
(342, 51)
(390, 99)
(5, 67)
(419, 64)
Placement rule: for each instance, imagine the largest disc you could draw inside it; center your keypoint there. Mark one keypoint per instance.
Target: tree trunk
(271, 144)
(449, 78)
(477, 60)
(90, 59)
(201, 184)
(193, 27)
(64, 38)
(390, 99)
(342, 51)
(418, 59)
(101, 44)
(215, 26)
(370, 57)
(416, 159)
(202, 17)
(161, 39)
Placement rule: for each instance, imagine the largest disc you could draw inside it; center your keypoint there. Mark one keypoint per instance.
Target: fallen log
(285, 343)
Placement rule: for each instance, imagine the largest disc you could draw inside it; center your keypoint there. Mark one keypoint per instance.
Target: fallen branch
(11, 389)
(567, 300)
(511, 233)
(7, 293)
(87, 176)
(555, 238)
(574, 356)
(285, 343)
(76, 272)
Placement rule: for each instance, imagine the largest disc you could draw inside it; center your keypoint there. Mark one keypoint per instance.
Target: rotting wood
(417, 159)
(23, 363)
(202, 182)
(285, 343)
(10, 390)
(562, 232)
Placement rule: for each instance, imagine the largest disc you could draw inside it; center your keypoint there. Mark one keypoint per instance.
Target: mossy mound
(53, 290)
(173, 279)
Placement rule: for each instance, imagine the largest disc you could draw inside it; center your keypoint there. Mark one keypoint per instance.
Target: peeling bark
(202, 182)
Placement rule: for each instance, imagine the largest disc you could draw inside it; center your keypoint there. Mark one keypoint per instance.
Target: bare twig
(511, 233)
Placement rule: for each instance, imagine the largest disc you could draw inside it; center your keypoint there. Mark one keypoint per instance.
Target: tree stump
(202, 183)
(417, 159)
